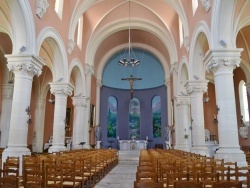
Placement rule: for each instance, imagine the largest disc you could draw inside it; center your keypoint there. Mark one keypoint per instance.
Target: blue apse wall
(152, 84)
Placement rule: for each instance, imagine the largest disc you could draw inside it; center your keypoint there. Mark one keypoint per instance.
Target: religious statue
(98, 134)
(242, 122)
(131, 80)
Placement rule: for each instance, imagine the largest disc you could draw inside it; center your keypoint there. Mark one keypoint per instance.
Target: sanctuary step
(124, 174)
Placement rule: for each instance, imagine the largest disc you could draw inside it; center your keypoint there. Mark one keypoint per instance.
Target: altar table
(129, 145)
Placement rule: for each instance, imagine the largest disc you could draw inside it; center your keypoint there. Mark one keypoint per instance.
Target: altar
(129, 145)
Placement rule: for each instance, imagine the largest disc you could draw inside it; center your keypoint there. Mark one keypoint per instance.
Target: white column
(182, 129)
(78, 119)
(174, 73)
(61, 92)
(89, 71)
(196, 89)
(167, 128)
(37, 143)
(25, 67)
(222, 63)
(98, 97)
(7, 95)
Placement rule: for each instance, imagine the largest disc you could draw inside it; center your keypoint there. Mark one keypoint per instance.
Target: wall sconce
(28, 113)
(215, 119)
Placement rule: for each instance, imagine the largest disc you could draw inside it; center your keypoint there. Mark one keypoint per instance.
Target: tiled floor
(123, 175)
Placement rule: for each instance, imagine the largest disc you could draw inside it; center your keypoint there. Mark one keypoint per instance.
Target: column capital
(182, 100)
(41, 7)
(79, 102)
(63, 89)
(222, 61)
(167, 82)
(196, 87)
(71, 45)
(99, 83)
(7, 91)
(89, 70)
(174, 68)
(24, 65)
(40, 103)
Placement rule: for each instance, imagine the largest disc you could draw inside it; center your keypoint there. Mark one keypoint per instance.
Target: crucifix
(131, 80)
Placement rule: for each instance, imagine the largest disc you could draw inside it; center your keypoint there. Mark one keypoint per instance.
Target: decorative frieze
(41, 7)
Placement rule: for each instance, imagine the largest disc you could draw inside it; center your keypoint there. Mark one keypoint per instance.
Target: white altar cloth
(129, 145)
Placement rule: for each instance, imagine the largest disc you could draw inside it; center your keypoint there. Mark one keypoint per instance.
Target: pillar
(89, 71)
(182, 129)
(168, 126)
(61, 92)
(98, 97)
(222, 63)
(7, 95)
(196, 89)
(25, 67)
(37, 144)
(79, 104)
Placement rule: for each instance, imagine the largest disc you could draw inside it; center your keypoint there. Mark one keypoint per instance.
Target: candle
(118, 138)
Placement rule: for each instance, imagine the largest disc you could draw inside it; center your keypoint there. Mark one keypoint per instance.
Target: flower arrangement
(133, 137)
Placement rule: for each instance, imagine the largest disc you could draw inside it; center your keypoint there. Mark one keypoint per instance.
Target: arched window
(194, 6)
(79, 32)
(243, 102)
(134, 118)
(181, 32)
(112, 117)
(156, 114)
(59, 7)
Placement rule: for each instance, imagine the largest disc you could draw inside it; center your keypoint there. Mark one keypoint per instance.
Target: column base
(183, 147)
(56, 148)
(202, 150)
(15, 152)
(98, 144)
(77, 146)
(86, 146)
(231, 155)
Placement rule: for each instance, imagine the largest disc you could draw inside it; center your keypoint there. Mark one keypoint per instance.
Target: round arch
(77, 73)
(60, 61)
(200, 37)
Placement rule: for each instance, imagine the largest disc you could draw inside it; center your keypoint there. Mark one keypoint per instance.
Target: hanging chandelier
(130, 62)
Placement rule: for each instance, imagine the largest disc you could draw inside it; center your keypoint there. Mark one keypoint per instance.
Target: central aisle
(124, 174)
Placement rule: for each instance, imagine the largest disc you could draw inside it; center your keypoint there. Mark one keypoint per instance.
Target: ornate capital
(7, 91)
(167, 83)
(24, 65)
(79, 102)
(206, 4)
(174, 68)
(196, 88)
(61, 89)
(89, 70)
(71, 45)
(182, 101)
(41, 7)
(99, 83)
(186, 43)
(222, 61)
(40, 103)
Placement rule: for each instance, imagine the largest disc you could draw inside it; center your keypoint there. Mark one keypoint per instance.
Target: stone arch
(221, 29)
(23, 26)
(99, 36)
(60, 60)
(182, 76)
(77, 75)
(200, 37)
(246, 69)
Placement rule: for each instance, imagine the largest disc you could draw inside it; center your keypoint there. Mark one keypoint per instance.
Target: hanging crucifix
(131, 80)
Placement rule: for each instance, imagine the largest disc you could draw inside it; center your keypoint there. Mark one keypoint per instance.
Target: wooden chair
(9, 178)
(147, 184)
(33, 178)
(53, 177)
(142, 176)
(172, 177)
(227, 184)
(187, 184)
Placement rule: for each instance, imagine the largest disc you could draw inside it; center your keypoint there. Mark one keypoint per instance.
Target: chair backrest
(147, 184)
(187, 184)
(227, 184)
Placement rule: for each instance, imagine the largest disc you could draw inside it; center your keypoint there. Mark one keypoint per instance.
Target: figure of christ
(131, 80)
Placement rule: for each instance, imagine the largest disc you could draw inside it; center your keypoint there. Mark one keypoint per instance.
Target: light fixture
(131, 62)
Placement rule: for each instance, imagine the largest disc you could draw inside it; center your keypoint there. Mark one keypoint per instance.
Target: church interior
(106, 76)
